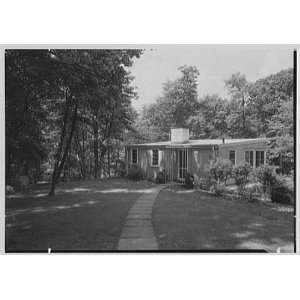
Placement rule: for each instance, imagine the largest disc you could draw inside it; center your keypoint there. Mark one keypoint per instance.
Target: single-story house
(182, 154)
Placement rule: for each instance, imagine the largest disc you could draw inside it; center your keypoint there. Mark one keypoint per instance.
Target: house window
(232, 156)
(155, 157)
(259, 158)
(134, 156)
(249, 157)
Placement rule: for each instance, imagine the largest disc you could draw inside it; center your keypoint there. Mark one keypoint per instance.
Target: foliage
(221, 170)
(189, 180)
(203, 183)
(282, 190)
(240, 174)
(70, 108)
(162, 177)
(173, 108)
(266, 100)
(281, 153)
(238, 88)
(217, 188)
(135, 173)
(209, 118)
(265, 175)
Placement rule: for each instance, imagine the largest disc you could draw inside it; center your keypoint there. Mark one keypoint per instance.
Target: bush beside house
(135, 173)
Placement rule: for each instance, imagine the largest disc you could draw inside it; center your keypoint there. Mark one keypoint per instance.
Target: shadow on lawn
(71, 196)
(213, 223)
(84, 215)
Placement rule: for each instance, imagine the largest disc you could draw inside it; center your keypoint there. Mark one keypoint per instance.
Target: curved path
(137, 233)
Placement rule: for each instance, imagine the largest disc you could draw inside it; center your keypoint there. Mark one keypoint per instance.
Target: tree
(267, 97)
(209, 118)
(55, 95)
(29, 81)
(174, 107)
(238, 87)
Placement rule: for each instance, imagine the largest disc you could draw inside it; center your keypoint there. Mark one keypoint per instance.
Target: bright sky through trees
(215, 63)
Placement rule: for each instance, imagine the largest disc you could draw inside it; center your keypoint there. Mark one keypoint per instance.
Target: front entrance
(182, 163)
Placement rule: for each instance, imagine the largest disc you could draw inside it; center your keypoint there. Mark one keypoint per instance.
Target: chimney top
(179, 135)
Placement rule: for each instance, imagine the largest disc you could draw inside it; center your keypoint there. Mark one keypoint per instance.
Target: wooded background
(69, 113)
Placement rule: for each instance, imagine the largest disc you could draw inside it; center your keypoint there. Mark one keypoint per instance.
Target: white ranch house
(181, 154)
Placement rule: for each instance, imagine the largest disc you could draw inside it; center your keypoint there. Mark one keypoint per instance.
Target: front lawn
(194, 220)
(83, 215)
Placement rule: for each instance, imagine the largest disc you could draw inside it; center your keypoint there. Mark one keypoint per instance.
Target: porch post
(187, 160)
(126, 158)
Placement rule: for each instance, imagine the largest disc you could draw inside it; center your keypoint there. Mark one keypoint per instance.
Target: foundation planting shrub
(220, 170)
(266, 176)
(282, 190)
(240, 174)
(162, 177)
(189, 181)
(135, 173)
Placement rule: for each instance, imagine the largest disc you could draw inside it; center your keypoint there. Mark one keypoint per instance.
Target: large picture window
(259, 158)
(249, 157)
(134, 156)
(155, 157)
(232, 156)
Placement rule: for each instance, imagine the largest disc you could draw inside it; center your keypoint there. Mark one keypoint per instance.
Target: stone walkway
(137, 233)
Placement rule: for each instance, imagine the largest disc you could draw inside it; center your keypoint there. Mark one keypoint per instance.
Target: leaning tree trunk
(59, 164)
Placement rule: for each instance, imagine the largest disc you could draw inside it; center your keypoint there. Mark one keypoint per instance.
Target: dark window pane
(260, 158)
(249, 157)
(232, 156)
(154, 157)
(134, 156)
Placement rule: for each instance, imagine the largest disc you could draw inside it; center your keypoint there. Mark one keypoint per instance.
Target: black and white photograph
(150, 150)
(156, 148)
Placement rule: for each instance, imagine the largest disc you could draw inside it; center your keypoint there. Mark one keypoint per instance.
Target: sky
(215, 64)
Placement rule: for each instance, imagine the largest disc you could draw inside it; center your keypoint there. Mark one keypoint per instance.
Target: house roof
(201, 142)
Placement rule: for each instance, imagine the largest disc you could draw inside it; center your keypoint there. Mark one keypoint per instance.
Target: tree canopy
(263, 108)
(69, 112)
(64, 108)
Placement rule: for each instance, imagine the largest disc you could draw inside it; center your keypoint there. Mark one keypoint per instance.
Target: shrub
(217, 188)
(221, 170)
(189, 181)
(240, 174)
(135, 173)
(282, 190)
(203, 183)
(9, 189)
(161, 177)
(265, 175)
(120, 171)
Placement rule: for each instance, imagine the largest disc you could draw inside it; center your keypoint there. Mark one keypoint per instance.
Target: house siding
(199, 161)
(240, 151)
(199, 158)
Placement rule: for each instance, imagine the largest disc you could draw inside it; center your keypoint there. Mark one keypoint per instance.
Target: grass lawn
(189, 219)
(83, 215)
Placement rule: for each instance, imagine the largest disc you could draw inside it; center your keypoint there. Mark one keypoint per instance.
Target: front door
(182, 163)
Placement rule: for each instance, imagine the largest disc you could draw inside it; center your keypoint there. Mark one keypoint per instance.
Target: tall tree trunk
(61, 143)
(244, 117)
(108, 161)
(59, 164)
(96, 152)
